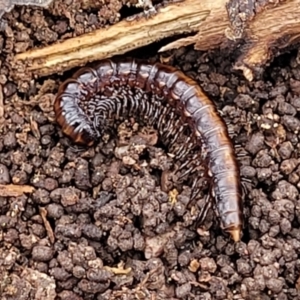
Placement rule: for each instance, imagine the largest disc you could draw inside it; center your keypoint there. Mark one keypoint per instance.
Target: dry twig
(13, 190)
(262, 34)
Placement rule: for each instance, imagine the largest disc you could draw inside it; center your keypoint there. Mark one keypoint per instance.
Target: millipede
(154, 92)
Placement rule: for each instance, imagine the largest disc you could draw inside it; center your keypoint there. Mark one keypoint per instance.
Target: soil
(100, 225)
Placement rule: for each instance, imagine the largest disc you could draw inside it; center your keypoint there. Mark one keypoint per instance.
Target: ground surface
(98, 225)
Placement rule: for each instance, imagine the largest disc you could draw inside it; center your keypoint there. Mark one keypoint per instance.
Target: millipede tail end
(235, 233)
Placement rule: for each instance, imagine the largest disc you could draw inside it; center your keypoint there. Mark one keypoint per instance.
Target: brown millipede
(111, 89)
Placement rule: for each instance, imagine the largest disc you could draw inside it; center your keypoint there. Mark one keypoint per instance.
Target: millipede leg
(192, 166)
(198, 185)
(240, 154)
(244, 188)
(188, 171)
(204, 210)
(78, 148)
(244, 182)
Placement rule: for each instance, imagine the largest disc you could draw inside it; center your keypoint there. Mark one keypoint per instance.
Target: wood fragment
(120, 270)
(43, 213)
(266, 32)
(176, 18)
(272, 31)
(13, 190)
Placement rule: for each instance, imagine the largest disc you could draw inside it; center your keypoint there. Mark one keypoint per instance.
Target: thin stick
(176, 18)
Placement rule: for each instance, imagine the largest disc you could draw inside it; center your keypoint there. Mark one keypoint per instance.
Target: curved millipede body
(111, 89)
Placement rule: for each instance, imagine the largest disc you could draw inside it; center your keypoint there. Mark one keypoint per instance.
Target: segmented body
(86, 102)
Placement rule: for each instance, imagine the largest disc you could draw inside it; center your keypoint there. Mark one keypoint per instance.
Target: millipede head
(83, 137)
(74, 125)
